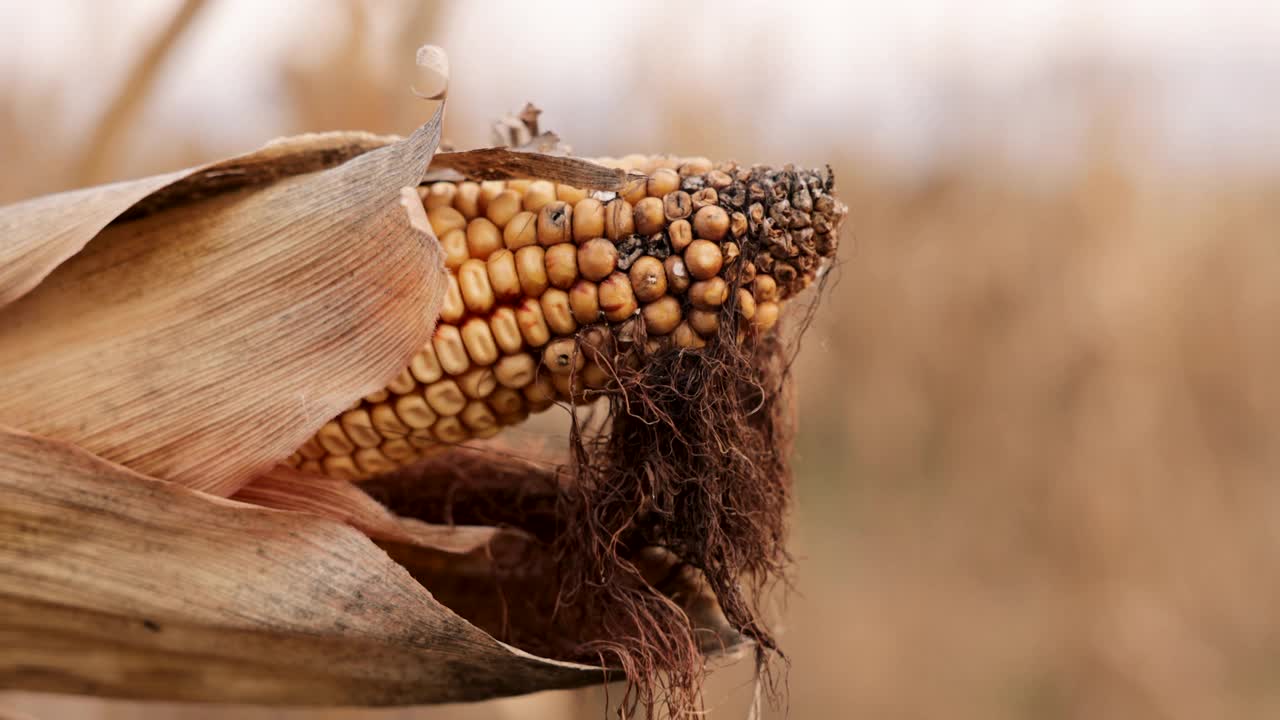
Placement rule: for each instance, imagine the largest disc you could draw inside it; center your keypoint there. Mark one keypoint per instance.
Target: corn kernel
(661, 316)
(597, 259)
(562, 265)
(521, 230)
(588, 220)
(648, 278)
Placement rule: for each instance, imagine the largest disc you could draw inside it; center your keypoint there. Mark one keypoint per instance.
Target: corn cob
(547, 284)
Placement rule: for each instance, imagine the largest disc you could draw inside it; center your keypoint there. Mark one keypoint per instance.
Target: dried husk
(116, 584)
(252, 300)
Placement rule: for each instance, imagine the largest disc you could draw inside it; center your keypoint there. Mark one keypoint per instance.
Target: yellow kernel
(423, 441)
(311, 466)
(293, 460)
(359, 427)
(541, 393)
(684, 336)
(570, 194)
(451, 308)
(766, 288)
(334, 440)
(677, 274)
(556, 310)
(562, 265)
(483, 238)
(522, 230)
(515, 371)
(473, 281)
(503, 207)
(648, 278)
(704, 322)
(371, 461)
(584, 301)
(596, 342)
(634, 188)
(341, 467)
(746, 304)
(597, 258)
(532, 269)
(562, 356)
(695, 166)
(450, 430)
(376, 397)
(402, 383)
(709, 294)
(505, 401)
(467, 199)
(503, 277)
(477, 416)
(489, 190)
(445, 397)
(444, 219)
(711, 223)
(555, 223)
(595, 376)
(477, 382)
(400, 451)
(478, 340)
(520, 185)
(450, 350)
(311, 449)
(539, 194)
(454, 244)
(588, 220)
(533, 323)
(681, 234)
(424, 366)
(662, 181)
(648, 216)
(661, 316)
(702, 257)
(766, 315)
(506, 330)
(617, 300)
(414, 411)
(386, 422)
(439, 194)
(570, 387)
(619, 221)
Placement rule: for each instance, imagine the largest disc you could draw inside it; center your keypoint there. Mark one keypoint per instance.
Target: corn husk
(115, 584)
(204, 341)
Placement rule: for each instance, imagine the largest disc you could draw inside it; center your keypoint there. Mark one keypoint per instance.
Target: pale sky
(879, 69)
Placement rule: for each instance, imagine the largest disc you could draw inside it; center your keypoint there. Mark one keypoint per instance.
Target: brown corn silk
(690, 456)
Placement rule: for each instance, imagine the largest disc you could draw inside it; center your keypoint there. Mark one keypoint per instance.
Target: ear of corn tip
(532, 263)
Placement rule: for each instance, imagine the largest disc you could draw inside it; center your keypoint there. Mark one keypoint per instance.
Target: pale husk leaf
(115, 584)
(206, 340)
(285, 488)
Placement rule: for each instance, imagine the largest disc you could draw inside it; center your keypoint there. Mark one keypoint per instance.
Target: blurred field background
(1037, 465)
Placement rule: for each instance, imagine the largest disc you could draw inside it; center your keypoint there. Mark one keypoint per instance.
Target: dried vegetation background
(1037, 463)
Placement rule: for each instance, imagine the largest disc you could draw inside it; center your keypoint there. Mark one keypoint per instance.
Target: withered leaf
(205, 341)
(116, 584)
